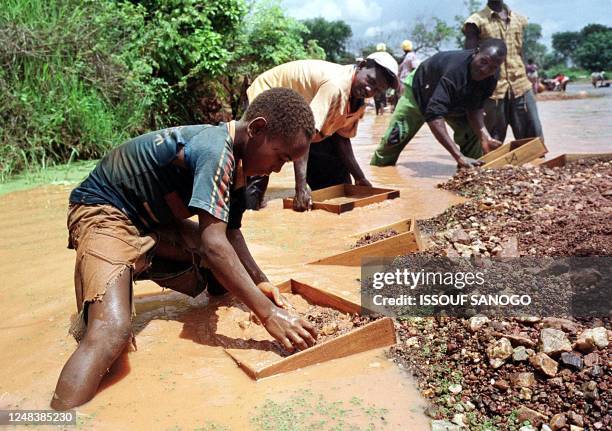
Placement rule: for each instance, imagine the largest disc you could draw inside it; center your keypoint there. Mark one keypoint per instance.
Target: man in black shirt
(449, 87)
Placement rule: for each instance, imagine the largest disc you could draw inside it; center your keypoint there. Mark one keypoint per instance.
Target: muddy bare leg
(109, 331)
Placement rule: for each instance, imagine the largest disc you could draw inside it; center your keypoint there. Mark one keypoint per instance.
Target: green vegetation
(331, 36)
(306, 411)
(81, 76)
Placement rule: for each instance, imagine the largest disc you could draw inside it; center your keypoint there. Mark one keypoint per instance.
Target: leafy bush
(66, 85)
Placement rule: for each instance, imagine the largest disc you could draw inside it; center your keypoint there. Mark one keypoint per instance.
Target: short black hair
(497, 45)
(285, 110)
(389, 78)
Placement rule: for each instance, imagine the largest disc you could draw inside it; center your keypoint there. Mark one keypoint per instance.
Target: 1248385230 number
(37, 417)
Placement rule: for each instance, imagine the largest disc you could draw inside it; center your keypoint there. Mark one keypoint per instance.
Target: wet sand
(180, 378)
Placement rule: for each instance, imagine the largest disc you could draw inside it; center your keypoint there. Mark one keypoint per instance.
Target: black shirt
(443, 85)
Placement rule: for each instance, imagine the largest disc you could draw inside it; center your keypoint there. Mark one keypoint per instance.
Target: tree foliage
(471, 6)
(532, 48)
(589, 48)
(430, 34)
(332, 36)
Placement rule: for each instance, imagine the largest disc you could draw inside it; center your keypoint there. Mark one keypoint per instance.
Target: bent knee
(113, 336)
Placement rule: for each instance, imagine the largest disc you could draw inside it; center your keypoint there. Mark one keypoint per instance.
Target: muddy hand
(290, 330)
(467, 163)
(302, 200)
(363, 182)
(272, 292)
(489, 144)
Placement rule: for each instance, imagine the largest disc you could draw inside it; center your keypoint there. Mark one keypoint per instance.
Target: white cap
(387, 61)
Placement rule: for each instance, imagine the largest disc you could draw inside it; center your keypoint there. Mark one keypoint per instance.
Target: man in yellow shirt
(336, 96)
(512, 101)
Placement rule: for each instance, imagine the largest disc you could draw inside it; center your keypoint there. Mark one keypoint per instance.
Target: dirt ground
(180, 378)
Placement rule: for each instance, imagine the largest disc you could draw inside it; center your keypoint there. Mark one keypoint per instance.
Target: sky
(368, 18)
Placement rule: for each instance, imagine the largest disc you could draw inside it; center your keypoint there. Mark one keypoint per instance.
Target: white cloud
(347, 10)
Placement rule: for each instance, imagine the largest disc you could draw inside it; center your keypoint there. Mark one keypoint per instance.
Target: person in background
(380, 99)
(513, 102)
(408, 64)
(532, 75)
(337, 96)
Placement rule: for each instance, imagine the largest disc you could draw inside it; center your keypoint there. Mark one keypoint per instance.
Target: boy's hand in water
(291, 330)
(272, 292)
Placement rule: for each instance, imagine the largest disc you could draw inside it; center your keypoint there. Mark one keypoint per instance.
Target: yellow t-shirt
(325, 86)
(512, 75)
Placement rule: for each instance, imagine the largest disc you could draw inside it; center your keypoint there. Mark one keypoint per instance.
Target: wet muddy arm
(302, 200)
(291, 330)
(236, 238)
(476, 120)
(220, 256)
(438, 128)
(345, 149)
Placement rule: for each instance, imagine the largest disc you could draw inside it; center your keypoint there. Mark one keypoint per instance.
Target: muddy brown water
(180, 377)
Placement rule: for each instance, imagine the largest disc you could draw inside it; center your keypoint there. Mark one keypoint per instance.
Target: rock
(460, 420)
(428, 393)
(517, 340)
(575, 419)
(526, 414)
(498, 352)
(553, 342)
(520, 354)
(575, 428)
(545, 428)
(477, 322)
(562, 324)
(590, 390)
(525, 394)
(522, 380)
(556, 382)
(460, 236)
(469, 406)
(596, 371)
(530, 320)
(455, 389)
(527, 428)
(544, 363)
(558, 421)
(591, 359)
(444, 426)
(433, 412)
(591, 338)
(502, 385)
(509, 248)
(572, 360)
(412, 342)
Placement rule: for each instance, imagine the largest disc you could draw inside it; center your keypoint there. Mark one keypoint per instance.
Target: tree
(565, 43)
(594, 52)
(332, 36)
(531, 46)
(472, 6)
(430, 34)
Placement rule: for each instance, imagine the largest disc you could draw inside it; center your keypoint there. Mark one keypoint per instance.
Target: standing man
(336, 95)
(513, 103)
(449, 87)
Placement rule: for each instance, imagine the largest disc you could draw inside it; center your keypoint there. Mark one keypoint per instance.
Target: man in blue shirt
(129, 218)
